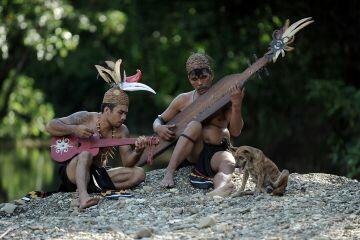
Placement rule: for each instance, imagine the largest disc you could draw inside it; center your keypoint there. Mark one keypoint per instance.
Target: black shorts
(203, 165)
(99, 180)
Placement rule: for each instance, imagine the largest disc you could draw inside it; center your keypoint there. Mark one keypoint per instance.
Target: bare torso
(225, 122)
(92, 123)
(214, 128)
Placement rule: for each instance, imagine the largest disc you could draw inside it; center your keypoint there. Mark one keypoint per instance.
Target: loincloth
(99, 180)
(203, 165)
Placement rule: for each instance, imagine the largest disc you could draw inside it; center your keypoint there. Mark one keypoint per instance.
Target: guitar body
(66, 147)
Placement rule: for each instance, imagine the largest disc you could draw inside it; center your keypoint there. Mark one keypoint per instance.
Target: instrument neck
(110, 142)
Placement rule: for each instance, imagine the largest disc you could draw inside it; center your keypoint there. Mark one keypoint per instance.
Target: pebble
(74, 202)
(8, 208)
(347, 227)
(166, 195)
(178, 211)
(242, 210)
(218, 199)
(19, 202)
(143, 233)
(193, 210)
(174, 190)
(222, 227)
(140, 200)
(36, 227)
(74, 213)
(207, 222)
(147, 188)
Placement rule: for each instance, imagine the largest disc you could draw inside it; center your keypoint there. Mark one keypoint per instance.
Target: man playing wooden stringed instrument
(87, 173)
(204, 144)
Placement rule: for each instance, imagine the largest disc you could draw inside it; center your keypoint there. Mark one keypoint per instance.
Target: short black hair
(109, 105)
(199, 71)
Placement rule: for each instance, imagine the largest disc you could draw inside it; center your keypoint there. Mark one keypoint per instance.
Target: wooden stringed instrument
(66, 147)
(218, 95)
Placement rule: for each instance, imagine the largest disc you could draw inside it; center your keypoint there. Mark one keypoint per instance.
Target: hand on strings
(83, 131)
(140, 144)
(166, 132)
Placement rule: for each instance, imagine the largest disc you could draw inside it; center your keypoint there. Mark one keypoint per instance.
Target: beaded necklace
(110, 151)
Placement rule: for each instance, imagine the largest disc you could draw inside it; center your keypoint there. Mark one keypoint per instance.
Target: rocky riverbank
(315, 206)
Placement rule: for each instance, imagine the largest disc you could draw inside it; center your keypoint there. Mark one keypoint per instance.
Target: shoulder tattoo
(79, 117)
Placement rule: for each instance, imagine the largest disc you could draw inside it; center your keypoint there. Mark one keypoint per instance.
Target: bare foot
(87, 201)
(223, 191)
(168, 180)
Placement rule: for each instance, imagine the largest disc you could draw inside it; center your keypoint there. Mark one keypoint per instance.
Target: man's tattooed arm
(73, 124)
(76, 118)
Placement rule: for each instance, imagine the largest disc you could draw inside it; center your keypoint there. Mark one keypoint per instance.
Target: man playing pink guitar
(87, 173)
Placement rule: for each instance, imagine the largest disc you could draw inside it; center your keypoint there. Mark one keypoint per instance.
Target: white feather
(290, 31)
(110, 64)
(117, 71)
(276, 55)
(101, 71)
(282, 53)
(299, 28)
(135, 87)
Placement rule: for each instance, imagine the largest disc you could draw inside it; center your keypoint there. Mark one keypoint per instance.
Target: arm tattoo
(77, 118)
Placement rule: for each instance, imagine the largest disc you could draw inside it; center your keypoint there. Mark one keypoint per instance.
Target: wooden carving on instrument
(218, 95)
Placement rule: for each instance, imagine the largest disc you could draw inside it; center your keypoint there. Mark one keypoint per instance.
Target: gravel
(315, 206)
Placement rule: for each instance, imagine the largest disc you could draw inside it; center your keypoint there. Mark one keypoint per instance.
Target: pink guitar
(66, 147)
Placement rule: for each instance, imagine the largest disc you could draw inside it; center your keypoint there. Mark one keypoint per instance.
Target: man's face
(201, 80)
(117, 116)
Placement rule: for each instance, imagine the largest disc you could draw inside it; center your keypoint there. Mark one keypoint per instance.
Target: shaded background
(304, 116)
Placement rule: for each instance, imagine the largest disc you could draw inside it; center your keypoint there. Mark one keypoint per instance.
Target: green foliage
(113, 22)
(28, 112)
(341, 109)
(40, 25)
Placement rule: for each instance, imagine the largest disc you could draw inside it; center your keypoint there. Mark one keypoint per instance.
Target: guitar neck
(207, 104)
(110, 142)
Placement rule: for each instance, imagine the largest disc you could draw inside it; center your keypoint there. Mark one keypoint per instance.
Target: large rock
(8, 208)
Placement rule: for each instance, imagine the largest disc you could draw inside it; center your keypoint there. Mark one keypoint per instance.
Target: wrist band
(161, 120)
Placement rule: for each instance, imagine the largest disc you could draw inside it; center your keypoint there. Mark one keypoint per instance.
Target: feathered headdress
(120, 82)
(113, 76)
